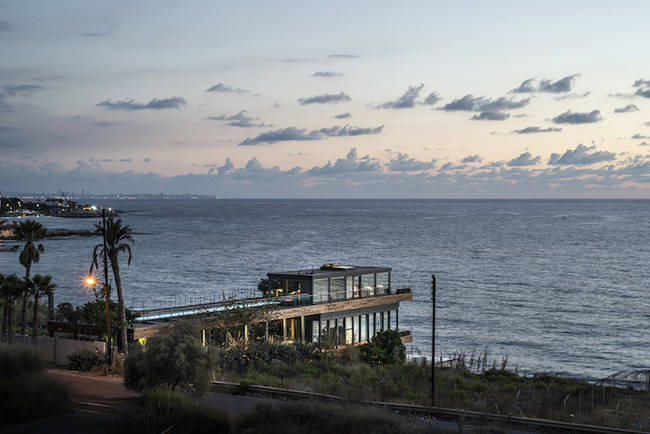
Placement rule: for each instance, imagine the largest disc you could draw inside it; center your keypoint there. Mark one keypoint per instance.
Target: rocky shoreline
(7, 234)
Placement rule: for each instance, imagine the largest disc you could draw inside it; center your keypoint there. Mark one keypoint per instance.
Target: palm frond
(96, 252)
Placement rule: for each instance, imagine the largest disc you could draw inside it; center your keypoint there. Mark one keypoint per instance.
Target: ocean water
(556, 286)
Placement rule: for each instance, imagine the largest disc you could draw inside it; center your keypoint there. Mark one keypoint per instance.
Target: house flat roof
(318, 273)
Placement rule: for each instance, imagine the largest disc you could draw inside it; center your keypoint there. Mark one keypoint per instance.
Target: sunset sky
(326, 99)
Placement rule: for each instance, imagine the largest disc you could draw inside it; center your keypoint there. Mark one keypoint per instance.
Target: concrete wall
(58, 349)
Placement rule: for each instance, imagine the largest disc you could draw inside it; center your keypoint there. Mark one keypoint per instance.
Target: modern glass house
(337, 304)
(331, 306)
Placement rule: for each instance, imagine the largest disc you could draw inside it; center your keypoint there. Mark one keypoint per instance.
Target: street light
(433, 340)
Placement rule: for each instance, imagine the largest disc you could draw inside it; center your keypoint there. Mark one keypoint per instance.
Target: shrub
(163, 408)
(20, 360)
(30, 397)
(385, 348)
(175, 360)
(84, 360)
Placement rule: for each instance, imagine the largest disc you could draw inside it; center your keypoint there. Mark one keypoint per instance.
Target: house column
(302, 329)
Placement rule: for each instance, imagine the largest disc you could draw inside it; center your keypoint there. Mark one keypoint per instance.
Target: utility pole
(107, 294)
(433, 340)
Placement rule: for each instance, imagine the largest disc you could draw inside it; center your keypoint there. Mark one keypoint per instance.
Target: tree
(117, 238)
(29, 231)
(91, 314)
(67, 312)
(175, 360)
(385, 348)
(263, 287)
(42, 285)
(12, 287)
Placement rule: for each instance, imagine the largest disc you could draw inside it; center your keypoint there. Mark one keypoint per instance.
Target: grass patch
(163, 408)
(19, 360)
(31, 397)
(482, 388)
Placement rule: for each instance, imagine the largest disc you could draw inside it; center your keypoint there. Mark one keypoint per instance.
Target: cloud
(343, 56)
(104, 124)
(570, 117)
(240, 120)
(224, 88)
(175, 102)
(352, 176)
(126, 160)
(5, 26)
(405, 101)
(432, 98)
(325, 99)
(301, 134)
(627, 109)
(534, 130)
(350, 131)
(282, 135)
(351, 164)
(5, 106)
(342, 116)
(641, 83)
(473, 103)
(581, 156)
(562, 85)
(573, 96)
(526, 86)
(491, 115)
(644, 143)
(525, 159)
(21, 89)
(146, 160)
(402, 163)
(326, 74)
(472, 159)
(640, 136)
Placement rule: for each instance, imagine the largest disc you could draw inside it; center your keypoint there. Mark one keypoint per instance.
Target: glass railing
(304, 299)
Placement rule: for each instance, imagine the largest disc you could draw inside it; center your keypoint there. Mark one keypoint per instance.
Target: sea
(553, 286)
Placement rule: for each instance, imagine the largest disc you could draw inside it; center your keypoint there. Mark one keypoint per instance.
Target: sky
(258, 99)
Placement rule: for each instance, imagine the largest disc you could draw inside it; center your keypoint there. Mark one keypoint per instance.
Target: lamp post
(433, 340)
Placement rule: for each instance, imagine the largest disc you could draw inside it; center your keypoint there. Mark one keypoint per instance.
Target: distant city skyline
(337, 100)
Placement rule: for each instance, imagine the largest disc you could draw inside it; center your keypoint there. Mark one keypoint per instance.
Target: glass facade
(364, 328)
(320, 290)
(383, 283)
(367, 285)
(337, 288)
(349, 285)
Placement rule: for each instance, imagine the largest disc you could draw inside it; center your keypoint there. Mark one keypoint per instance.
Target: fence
(58, 349)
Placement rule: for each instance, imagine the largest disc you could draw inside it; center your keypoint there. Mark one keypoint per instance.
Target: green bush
(30, 397)
(84, 360)
(175, 360)
(385, 348)
(262, 353)
(19, 360)
(163, 408)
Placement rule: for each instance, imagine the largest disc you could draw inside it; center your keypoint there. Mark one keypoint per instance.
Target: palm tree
(42, 285)
(117, 238)
(12, 287)
(29, 231)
